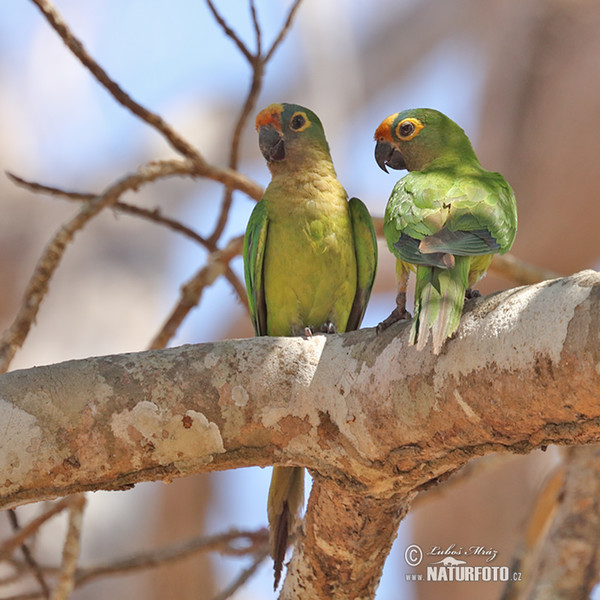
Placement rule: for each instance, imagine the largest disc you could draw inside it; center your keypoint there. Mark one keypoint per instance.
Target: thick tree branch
(374, 419)
(521, 373)
(366, 526)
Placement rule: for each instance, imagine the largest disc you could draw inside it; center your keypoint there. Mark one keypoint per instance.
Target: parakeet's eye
(299, 122)
(407, 129)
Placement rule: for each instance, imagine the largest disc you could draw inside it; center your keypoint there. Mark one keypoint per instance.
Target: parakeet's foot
(472, 294)
(328, 327)
(396, 315)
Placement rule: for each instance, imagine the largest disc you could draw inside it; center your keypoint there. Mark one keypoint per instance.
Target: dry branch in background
(231, 543)
(520, 374)
(71, 549)
(191, 292)
(37, 288)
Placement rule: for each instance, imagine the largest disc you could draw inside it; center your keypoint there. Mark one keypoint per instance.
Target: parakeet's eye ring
(299, 122)
(407, 129)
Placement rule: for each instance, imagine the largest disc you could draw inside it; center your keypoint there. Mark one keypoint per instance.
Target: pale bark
(568, 565)
(374, 418)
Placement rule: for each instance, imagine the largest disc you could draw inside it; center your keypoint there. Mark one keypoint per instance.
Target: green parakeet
(310, 257)
(444, 220)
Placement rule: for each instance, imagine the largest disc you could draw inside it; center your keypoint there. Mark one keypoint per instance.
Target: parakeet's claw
(395, 316)
(308, 331)
(328, 327)
(472, 294)
(398, 314)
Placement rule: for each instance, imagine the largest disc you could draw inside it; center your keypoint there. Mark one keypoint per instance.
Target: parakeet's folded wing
(254, 253)
(431, 219)
(365, 247)
(484, 206)
(460, 243)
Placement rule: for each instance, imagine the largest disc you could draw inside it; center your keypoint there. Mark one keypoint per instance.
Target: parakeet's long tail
(286, 498)
(439, 299)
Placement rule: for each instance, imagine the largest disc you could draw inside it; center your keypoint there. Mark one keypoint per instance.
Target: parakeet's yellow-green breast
(310, 256)
(443, 221)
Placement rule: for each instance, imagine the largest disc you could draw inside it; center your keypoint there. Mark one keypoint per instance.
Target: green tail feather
(286, 497)
(439, 299)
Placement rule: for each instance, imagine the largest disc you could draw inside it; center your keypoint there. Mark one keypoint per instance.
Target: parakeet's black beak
(270, 142)
(388, 156)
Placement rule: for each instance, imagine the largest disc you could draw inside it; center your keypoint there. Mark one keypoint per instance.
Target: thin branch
(258, 64)
(151, 215)
(224, 543)
(230, 543)
(191, 292)
(29, 559)
(182, 168)
(244, 576)
(257, 32)
(283, 31)
(76, 47)
(37, 288)
(230, 33)
(23, 533)
(71, 549)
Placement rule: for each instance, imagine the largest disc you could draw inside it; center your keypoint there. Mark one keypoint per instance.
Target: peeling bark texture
(569, 563)
(322, 568)
(373, 418)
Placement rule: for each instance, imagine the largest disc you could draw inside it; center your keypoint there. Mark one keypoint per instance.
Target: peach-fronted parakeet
(310, 256)
(444, 220)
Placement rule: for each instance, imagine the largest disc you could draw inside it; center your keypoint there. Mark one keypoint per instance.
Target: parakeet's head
(288, 132)
(413, 139)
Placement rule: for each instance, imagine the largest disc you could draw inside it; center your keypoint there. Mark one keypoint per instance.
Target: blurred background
(522, 77)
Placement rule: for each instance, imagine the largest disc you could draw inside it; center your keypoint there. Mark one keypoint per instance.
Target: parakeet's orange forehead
(384, 131)
(270, 116)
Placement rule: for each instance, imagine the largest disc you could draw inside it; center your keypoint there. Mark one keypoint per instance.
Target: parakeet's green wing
(483, 218)
(254, 253)
(365, 247)
(476, 216)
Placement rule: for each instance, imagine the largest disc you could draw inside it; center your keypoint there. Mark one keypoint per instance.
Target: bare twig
(191, 292)
(230, 33)
(283, 31)
(231, 543)
(51, 257)
(224, 543)
(71, 549)
(151, 215)
(258, 64)
(30, 561)
(23, 533)
(76, 47)
(244, 576)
